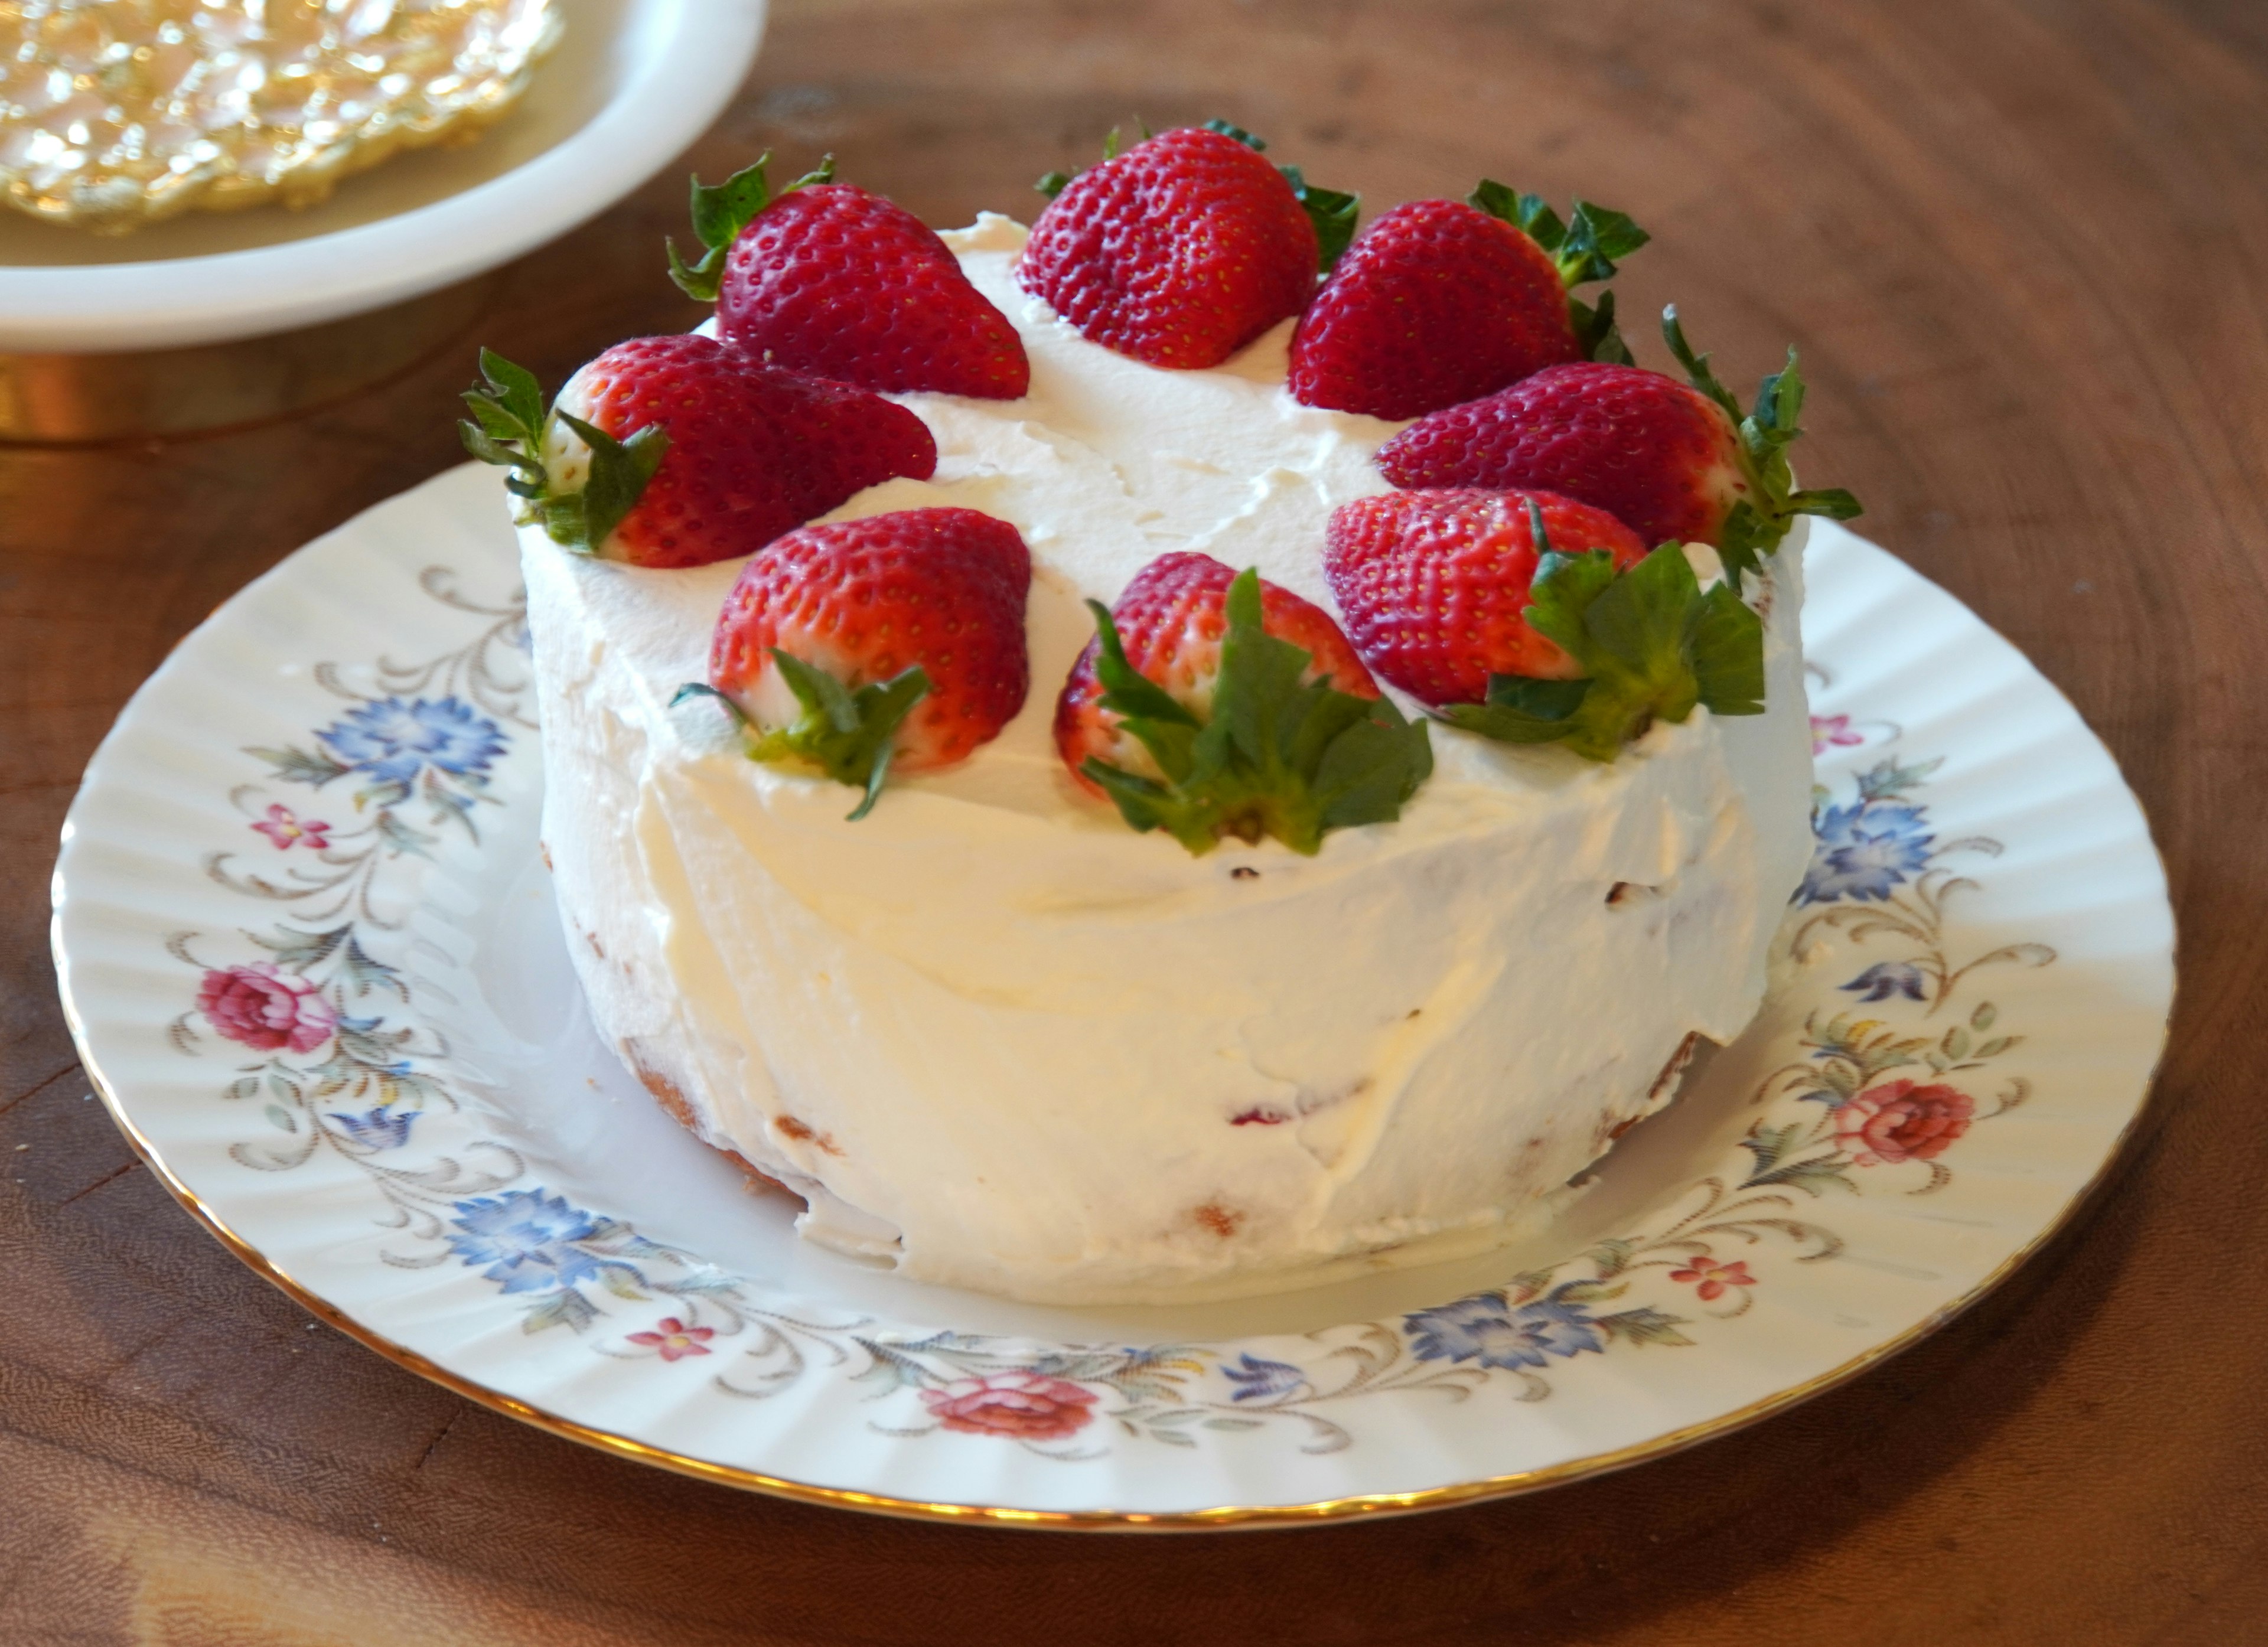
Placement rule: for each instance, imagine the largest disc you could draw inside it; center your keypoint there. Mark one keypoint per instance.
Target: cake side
(1136, 1095)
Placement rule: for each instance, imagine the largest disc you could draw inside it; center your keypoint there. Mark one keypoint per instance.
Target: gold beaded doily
(118, 113)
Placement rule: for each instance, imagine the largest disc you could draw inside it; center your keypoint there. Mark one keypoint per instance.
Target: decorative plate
(311, 957)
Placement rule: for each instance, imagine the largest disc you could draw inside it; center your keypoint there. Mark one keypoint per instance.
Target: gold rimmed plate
(309, 951)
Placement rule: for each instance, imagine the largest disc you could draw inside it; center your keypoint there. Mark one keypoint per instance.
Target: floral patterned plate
(310, 955)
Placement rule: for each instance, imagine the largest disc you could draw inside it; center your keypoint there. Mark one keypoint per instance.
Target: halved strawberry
(1441, 301)
(675, 452)
(898, 637)
(1434, 585)
(1211, 703)
(840, 282)
(1182, 250)
(1674, 462)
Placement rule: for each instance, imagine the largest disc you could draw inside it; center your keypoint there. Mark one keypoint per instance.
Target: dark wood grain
(2021, 243)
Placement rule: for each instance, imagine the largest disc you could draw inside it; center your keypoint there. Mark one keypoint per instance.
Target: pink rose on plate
(674, 1340)
(1028, 1406)
(1833, 731)
(1711, 1279)
(287, 829)
(266, 1009)
(1900, 1121)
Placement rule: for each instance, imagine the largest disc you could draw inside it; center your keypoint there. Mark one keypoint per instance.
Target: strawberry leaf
(1834, 501)
(1257, 144)
(1726, 641)
(507, 407)
(1596, 237)
(1757, 524)
(1332, 212)
(1642, 642)
(847, 735)
(1126, 691)
(1053, 183)
(1584, 247)
(1276, 757)
(507, 428)
(1521, 710)
(720, 211)
(1596, 333)
(620, 470)
(1650, 643)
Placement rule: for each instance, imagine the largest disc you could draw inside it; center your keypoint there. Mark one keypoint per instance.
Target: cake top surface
(1105, 465)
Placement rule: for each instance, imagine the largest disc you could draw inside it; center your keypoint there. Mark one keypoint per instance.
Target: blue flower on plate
(1865, 850)
(1257, 1379)
(1487, 1328)
(1885, 979)
(379, 1128)
(393, 741)
(527, 1238)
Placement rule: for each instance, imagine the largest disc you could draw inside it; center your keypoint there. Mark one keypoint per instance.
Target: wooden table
(2021, 243)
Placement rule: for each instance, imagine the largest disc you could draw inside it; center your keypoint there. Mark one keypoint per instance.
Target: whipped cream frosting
(997, 1040)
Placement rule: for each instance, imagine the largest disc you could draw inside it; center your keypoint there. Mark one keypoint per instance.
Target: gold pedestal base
(50, 399)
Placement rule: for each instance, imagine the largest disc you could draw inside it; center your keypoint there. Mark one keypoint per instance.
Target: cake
(994, 1037)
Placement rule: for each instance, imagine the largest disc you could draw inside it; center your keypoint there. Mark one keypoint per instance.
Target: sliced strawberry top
(752, 451)
(1434, 584)
(1178, 253)
(1436, 302)
(839, 283)
(1661, 457)
(865, 600)
(1171, 620)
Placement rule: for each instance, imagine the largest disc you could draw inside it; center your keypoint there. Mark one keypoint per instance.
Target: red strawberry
(1178, 253)
(838, 283)
(1171, 620)
(898, 637)
(1211, 703)
(1661, 456)
(676, 451)
(1675, 463)
(1434, 584)
(1441, 301)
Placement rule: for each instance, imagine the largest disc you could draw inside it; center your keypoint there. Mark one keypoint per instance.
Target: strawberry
(1183, 249)
(857, 645)
(1676, 462)
(1646, 642)
(1211, 703)
(675, 452)
(1434, 584)
(1442, 301)
(838, 283)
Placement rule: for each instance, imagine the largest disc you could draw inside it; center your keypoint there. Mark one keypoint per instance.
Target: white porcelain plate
(310, 954)
(631, 85)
